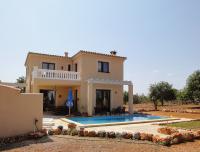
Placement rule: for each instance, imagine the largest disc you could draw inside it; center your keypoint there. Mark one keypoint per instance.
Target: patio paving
(132, 128)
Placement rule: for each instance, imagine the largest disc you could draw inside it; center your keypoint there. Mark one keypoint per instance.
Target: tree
(21, 79)
(161, 91)
(182, 95)
(136, 99)
(139, 98)
(125, 97)
(193, 86)
(154, 95)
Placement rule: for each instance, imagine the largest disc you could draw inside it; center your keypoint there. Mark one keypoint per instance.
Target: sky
(160, 38)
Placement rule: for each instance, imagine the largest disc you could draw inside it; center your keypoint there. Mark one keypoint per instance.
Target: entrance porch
(55, 98)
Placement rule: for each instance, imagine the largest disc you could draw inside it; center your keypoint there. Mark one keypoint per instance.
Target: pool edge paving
(117, 123)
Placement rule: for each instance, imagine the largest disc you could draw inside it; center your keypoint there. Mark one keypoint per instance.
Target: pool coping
(117, 123)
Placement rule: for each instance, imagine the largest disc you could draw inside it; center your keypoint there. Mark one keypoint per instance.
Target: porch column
(89, 103)
(130, 98)
(35, 89)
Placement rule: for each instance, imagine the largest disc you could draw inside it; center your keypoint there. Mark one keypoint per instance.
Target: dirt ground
(149, 106)
(170, 106)
(77, 144)
(175, 114)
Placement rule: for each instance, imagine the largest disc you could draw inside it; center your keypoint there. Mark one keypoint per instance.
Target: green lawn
(186, 125)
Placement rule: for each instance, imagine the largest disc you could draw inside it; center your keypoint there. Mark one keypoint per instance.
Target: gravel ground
(79, 144)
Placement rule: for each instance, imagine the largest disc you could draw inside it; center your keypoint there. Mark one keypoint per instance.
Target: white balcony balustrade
(55, 74)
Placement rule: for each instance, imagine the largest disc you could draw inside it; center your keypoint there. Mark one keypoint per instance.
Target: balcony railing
(55, 74)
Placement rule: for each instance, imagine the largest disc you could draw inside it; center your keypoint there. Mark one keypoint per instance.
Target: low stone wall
(175, 137)
(19, 112)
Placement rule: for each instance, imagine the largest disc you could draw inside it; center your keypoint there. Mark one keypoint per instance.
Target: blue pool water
(114, 119)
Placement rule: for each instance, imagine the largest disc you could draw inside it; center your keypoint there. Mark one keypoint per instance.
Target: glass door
(102, 101)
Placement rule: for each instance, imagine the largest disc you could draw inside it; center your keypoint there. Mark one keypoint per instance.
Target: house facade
(96, 80)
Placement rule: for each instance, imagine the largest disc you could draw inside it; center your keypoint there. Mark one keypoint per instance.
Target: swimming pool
(114, 119)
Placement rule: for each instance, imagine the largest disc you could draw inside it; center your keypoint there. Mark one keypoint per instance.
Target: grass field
(186, 125)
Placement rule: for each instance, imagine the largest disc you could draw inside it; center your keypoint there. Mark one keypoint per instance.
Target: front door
(102, 101)
(48, 99)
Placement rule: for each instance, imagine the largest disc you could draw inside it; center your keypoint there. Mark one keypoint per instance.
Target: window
(76, 67)
(49, 66)
(103, 67)
(69, 67)
(102, 101)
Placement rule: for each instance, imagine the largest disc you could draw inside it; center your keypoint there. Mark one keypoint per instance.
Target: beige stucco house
(96, 80)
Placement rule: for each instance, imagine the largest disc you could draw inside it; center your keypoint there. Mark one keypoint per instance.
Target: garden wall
(18, 111)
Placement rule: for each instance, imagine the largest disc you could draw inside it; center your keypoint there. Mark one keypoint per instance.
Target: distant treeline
(164, 91)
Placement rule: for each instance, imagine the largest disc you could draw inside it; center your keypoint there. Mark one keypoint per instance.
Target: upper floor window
(76, 67)
(49, 66)
(69, 67)
(103, 66)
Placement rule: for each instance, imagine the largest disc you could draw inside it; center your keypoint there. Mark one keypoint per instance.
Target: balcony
(55, 74)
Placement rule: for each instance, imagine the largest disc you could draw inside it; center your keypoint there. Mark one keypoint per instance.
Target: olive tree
(21, 79)
(161, 91)
(193, 86)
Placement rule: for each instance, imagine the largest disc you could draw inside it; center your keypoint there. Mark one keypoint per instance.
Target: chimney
(66, 54)
(113, 52)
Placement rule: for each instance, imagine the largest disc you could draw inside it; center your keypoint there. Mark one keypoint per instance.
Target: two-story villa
(96, 80)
